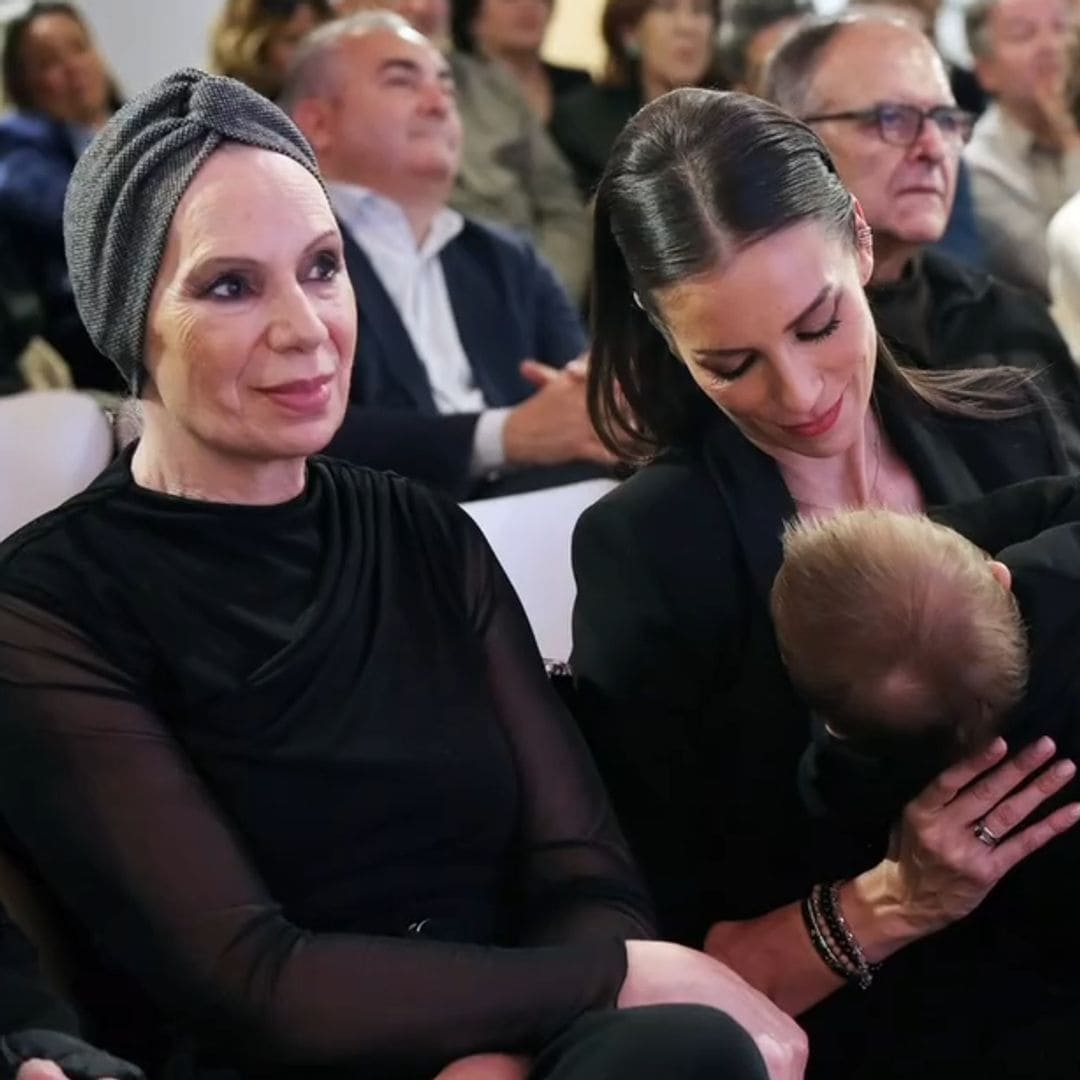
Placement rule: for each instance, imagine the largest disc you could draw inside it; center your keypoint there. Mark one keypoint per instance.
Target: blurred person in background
(1024, 155)
(875, 90)
(61, 92)
(750, 31)
(254, 40)
(965, 86)
(463, 330)
(511, 33)
(652, 46)
(511, 172)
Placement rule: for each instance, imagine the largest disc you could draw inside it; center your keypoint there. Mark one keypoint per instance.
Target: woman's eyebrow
(707, 354)
(811, 307)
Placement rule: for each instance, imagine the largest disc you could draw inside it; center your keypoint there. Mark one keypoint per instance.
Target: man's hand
(553, 426)
(1056, 121)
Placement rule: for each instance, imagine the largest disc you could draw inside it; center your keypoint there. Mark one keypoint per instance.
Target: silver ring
(984, 835)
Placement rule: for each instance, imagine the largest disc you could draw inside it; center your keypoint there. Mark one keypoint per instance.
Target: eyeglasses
(901, 125)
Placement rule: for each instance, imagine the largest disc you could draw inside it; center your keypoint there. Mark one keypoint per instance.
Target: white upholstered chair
(530, 535)
(52, 444)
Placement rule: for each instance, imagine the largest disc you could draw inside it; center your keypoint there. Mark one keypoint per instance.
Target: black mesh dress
(296, 773)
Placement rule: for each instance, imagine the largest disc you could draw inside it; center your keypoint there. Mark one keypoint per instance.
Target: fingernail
(1045, 745)
(1064, 768)
(998, 746)
(1074, 812)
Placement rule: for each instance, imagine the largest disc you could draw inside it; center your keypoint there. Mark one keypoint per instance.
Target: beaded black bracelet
(821, 943)
(829, 902)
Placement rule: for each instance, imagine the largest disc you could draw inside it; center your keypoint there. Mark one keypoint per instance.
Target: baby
(914, 647)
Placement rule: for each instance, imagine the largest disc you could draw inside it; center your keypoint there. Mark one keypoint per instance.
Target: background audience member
(462, 326)
(750, 31)
(1024, 155)
(1063, 254)
(875, 90)
(965, 86)
(511, 172)
(62, 92)
(735, 346)
(652, 46)
(254, 40)
(311, 681)
(511, 32)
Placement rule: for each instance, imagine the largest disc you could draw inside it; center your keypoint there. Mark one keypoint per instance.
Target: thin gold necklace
(873, 499)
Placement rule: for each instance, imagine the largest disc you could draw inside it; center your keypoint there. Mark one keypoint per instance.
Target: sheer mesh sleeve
(124, 831)
(577, 877)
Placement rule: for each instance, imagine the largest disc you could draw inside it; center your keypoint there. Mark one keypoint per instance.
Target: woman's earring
(632, 50)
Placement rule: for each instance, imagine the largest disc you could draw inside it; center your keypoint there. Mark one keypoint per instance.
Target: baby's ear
(1002, 573)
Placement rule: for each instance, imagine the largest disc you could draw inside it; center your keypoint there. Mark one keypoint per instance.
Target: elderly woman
(511, 33)
(652, 46)
(254, 40)
(274, 729)
(734, 347)
(62, 93)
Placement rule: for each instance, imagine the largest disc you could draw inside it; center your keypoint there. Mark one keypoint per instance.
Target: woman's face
(781, 339)
(65, 75)
(511, 26)
(285, 40)
(252, 321)
(675, 42)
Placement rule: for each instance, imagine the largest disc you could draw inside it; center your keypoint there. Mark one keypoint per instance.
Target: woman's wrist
(873, 905)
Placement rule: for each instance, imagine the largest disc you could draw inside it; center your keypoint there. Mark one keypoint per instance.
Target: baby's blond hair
(892, 624)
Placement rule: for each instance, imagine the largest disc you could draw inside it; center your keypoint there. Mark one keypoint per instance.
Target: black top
(942, 315)
(292, 768)
(564, 80)
(682, 693)
(586, 124)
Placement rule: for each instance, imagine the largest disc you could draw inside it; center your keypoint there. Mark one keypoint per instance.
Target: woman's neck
(870, 473)
(846, 480)
(523, 64)
(173, 461)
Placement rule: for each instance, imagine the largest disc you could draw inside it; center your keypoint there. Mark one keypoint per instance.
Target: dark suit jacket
(36, 159)
(682, 693)
(942, 315)
(508, 307)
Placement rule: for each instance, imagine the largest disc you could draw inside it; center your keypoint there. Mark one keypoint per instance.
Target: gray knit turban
(126, 187)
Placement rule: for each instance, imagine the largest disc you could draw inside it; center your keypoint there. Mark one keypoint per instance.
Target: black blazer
(680, 688)
(943, 315)
(693, 721)
(508, 307)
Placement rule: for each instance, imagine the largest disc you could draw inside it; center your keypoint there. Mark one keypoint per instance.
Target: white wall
(146, 39)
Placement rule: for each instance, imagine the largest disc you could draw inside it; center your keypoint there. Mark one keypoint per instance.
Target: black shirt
(298, 772)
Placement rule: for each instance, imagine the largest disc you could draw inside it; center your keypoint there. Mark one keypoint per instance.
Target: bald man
(876, 91)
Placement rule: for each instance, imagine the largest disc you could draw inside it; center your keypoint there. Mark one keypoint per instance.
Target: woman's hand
(938, 870)
(659, 973)
(483, 1067)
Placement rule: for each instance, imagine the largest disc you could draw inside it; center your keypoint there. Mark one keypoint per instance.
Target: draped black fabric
(297, 771)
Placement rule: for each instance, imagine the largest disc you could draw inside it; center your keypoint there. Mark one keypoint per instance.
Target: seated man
(462, 327)
(914, 649)
(511, 171)
(1025, 153)
(876, 91)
